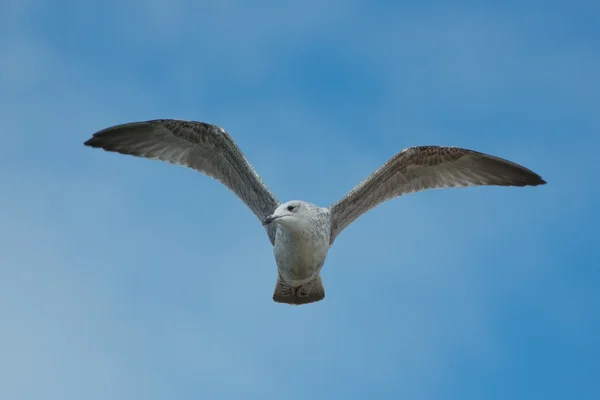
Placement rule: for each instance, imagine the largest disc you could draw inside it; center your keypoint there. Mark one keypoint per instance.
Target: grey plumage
(427, 167)
(203, 147)
(301, 232)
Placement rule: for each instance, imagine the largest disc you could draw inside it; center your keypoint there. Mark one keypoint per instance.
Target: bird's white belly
(299, 256)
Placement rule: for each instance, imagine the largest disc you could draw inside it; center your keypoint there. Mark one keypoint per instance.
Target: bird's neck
(297, 229)
(307, 231)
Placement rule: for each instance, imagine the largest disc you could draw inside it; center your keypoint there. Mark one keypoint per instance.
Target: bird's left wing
(427, 167)
(201, 146)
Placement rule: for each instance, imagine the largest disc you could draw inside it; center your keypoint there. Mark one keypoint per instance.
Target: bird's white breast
(300, 255)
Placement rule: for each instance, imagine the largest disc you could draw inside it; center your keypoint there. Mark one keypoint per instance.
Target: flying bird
(302, 233)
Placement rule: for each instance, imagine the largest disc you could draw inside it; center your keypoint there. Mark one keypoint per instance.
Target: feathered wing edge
(204, 147)
(427, 167)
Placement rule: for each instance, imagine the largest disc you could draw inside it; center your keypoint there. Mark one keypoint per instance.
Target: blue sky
(123, 278)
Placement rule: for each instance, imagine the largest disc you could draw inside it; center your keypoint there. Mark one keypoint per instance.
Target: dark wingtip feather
(532, 181)
(108, 137)
(98, 142)
(535, 180)
(517, 175)
(92, 142)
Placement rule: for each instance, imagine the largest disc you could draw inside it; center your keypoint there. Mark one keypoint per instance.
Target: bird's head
(294, 215)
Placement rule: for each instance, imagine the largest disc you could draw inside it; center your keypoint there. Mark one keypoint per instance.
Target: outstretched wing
(427, 167)
(204, 147)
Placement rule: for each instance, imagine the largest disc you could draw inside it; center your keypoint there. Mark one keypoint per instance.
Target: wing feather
(427, 167)
(204, 147)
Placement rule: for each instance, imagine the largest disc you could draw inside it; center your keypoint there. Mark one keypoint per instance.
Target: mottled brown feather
(427, 167)
(201, 146)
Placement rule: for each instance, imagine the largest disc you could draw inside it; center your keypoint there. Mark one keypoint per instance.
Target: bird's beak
(269, 219)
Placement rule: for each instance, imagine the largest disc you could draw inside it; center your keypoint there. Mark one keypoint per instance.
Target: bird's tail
(310, 292)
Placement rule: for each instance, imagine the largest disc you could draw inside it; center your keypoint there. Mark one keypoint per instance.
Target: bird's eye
(290, 208)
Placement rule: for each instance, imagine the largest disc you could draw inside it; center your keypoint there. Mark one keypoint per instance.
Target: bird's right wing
(427, 167)
(201, 146)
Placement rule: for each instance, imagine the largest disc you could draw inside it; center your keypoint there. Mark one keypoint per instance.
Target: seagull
(302, 233)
